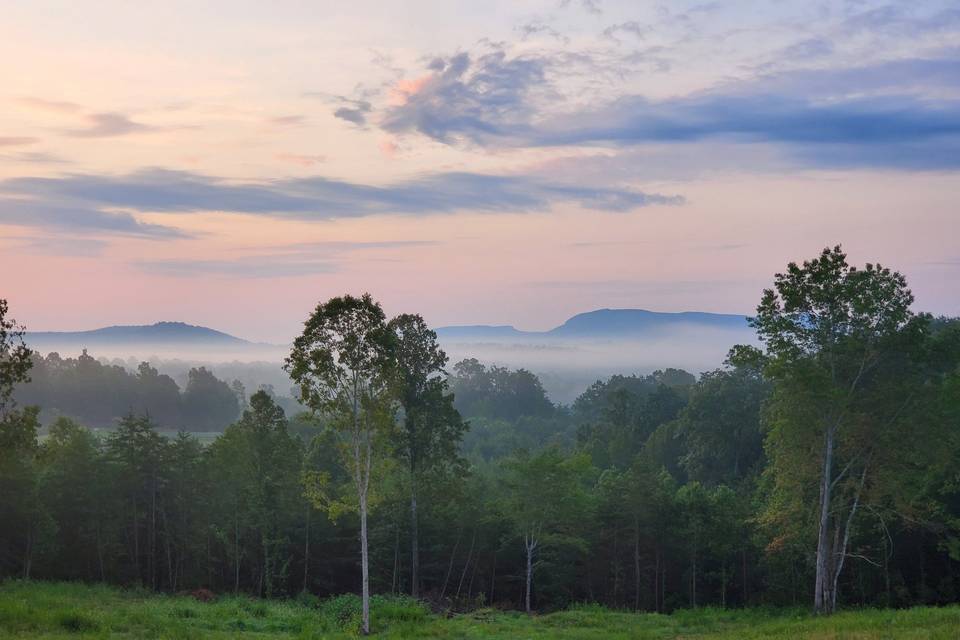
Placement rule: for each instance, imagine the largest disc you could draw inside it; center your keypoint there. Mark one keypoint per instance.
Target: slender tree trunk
(530, 543)
(693, 580)
(453, 554)
(822, 596)
(103, 577)
(396, 559)
(636, 563)
(616, 566)
(365, 564)
(136, 540)
(306, 550)
(466, 565)
(723, 584)
(414, 538)
(657, 598)
(493, 578)
(841, 553)
(473, 575)
(236, 549)
(153, 531)
(28, 553)
(743, 560)
(168, 550)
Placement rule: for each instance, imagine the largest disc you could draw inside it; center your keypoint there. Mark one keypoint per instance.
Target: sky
(232, 164)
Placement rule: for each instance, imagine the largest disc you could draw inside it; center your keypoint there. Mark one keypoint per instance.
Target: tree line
(819, 469)
(98, 394)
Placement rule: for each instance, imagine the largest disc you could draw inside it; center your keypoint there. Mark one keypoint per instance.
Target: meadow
(64, 610)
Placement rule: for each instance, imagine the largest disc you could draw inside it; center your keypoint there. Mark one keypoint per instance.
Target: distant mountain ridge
(598, 324)
(603, 323)
(160, 333)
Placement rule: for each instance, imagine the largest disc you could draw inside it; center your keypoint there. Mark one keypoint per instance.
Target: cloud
(897, 114)
(58, 106)
(105, 125)
(354, 111)
(318, 198)
(16, 141)
(35, 157)
(476, 98)
(533, 28)
(294, 260)
(807, 49)
(59, 246)
(590, 6)
(250, 267)
(631, 27)
(300, 159)
(49, 213)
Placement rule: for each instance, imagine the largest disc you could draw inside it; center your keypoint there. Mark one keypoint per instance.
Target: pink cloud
(389, 148)
(401, 92)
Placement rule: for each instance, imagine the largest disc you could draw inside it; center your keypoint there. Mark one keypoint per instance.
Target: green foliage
(651, 493)
(497, 392)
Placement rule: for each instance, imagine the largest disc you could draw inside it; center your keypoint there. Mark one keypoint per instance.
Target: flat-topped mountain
(605, 323)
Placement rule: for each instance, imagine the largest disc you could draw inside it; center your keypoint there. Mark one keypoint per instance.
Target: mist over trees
(98, 394)
(818, 469)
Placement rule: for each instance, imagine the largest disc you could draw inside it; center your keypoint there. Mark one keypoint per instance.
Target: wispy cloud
(59, 246)
(16, 141)
(315, 198)
(250, 267)
(35, 157)
(75, 217)
(107, 125)
(59, 106)
(293, 260)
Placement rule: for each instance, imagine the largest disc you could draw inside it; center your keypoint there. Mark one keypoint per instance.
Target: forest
(820, 470)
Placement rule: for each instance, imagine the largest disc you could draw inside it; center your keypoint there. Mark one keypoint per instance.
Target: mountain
(603, 324)
(161, 333)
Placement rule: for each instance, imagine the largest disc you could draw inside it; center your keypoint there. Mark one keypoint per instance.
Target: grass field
(45, 610)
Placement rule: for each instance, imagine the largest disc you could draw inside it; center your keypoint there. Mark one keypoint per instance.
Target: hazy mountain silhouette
(160, 333)
(605, 323)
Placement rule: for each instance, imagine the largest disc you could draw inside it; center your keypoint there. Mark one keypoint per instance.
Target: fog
(566, 366)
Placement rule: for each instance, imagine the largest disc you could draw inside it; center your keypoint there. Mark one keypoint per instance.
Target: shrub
(77, 622)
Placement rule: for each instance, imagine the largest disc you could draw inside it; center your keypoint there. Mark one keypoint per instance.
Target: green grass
(57, 610)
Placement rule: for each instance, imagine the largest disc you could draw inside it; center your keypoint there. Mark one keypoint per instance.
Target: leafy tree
(546, 501)
(498, 392)
(432, 427)
(341, 364)
(15, 359)
(209, 404)
(830, 329)
(720, 426)
(19, 474)
(260, 462)
(73, 488)
(137, 454)
(159, 396)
